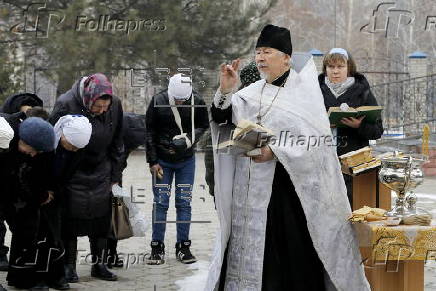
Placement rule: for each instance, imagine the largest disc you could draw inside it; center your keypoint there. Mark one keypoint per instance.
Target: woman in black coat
(341, 83)
(87, 190)
(15, 109)
(28, 197)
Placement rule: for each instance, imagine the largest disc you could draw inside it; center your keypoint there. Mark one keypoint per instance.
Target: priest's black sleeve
(221, 115)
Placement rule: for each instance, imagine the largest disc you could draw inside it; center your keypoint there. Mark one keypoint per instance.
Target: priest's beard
(264, 75)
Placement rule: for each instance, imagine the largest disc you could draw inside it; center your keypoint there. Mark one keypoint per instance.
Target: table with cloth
(394, 256)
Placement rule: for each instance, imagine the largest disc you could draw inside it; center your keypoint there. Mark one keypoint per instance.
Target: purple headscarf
(94, 87)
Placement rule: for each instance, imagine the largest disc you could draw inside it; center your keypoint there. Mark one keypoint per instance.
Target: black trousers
(98, 247)
(36, 252)
(112, 253)
(24, 228)
(349, 184)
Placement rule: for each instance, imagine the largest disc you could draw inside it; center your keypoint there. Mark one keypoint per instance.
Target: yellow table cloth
(402, 242)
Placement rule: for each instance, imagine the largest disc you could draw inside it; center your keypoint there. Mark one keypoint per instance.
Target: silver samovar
(403, 174)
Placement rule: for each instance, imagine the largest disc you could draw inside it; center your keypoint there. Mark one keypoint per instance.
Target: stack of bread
(367, 214)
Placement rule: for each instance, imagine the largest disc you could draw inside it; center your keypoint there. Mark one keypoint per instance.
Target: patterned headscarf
(95, 86)
(249, 74)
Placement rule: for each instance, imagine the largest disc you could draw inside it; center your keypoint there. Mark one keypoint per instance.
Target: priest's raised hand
(229, 76)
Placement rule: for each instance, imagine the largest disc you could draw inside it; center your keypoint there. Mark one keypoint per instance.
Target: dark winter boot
(40, 286)
(70, 260)
(59, 284)
(183, 253)
(114, 262)
(100, 271)
(157, 256)
(70, 273)
(99, 257)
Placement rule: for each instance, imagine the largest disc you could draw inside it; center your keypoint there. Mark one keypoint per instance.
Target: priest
(283, 214)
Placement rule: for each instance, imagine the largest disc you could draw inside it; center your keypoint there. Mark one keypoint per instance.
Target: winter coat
(14, 102)
(35, 227)
(31, 178)
(88, 185)
(359, 94)
(24, 178)
(9, 161)
(161, 128)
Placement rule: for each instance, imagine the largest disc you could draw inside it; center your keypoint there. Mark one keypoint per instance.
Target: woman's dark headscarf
(13, 103)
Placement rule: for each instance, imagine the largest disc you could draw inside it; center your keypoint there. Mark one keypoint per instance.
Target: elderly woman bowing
(30, 190)
(87, 188)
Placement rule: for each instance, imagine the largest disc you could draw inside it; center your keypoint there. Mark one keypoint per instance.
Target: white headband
(76, 128)
(6, 133)
(338, 50)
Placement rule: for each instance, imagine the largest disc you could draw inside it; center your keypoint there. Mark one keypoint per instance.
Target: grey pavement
(173, 275)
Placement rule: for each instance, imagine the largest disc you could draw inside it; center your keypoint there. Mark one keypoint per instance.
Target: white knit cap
(180, 87)
(338, 50)
(6, 133)
(76, 128)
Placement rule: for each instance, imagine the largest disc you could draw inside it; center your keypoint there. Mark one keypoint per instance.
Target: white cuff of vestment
(222, 101)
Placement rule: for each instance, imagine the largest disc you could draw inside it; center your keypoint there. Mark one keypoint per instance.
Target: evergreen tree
(195, 34)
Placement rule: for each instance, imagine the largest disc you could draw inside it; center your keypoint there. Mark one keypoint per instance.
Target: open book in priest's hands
(246, 139)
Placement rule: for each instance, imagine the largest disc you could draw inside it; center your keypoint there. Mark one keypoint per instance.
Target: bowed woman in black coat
(341, 83)
(35, 248)
(87, 189)
(15, 109)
